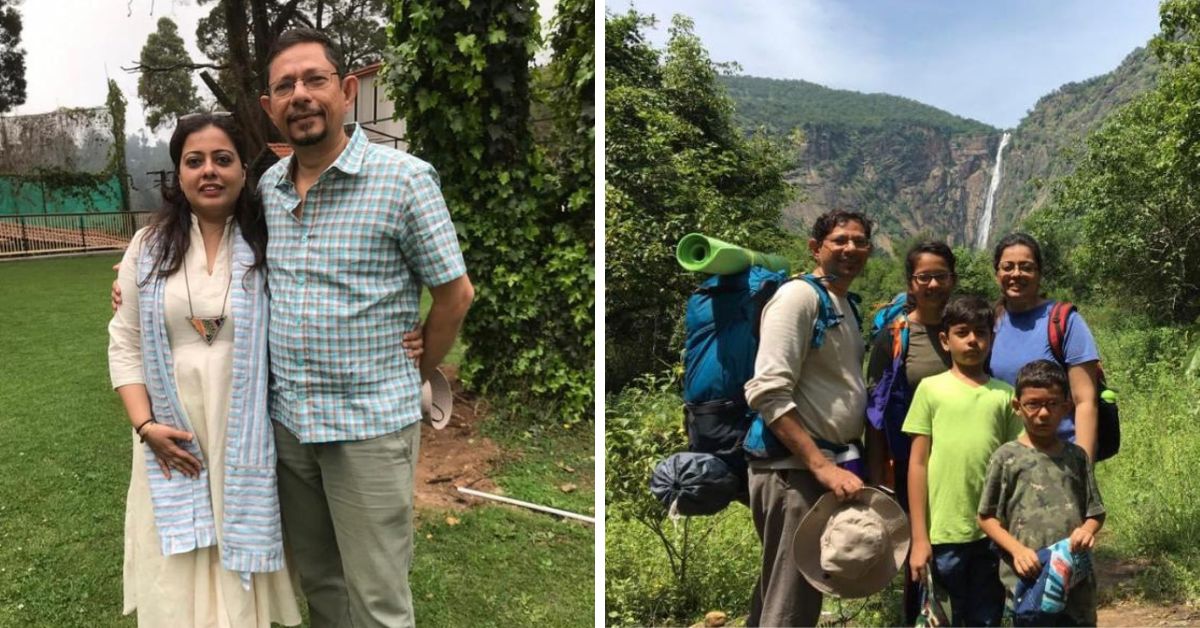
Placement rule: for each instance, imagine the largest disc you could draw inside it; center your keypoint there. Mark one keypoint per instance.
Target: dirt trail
(1116, 580)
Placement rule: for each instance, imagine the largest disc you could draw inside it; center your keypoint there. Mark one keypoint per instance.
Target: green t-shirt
(1040, 499)
(965, 424)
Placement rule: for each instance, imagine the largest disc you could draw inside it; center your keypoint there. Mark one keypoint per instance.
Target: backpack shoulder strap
(1056, 329)
(855, 301)
(898, 331)
(825, 316)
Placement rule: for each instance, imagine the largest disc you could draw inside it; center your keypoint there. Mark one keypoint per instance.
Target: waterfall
(985, 221)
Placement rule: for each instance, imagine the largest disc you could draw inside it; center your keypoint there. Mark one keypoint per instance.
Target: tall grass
(1153, 515)
(1152, 511)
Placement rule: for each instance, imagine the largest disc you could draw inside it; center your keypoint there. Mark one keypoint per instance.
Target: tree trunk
(250, 117)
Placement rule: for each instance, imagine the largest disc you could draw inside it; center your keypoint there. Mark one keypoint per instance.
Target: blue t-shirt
(1024, 337)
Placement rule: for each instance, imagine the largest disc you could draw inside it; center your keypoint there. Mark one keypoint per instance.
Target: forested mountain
(782, 105)
(917, 169)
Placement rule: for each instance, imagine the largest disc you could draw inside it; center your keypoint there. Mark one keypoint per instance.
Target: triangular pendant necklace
(207, 327)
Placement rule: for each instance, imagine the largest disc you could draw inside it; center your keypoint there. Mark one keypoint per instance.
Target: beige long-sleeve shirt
(825, 386)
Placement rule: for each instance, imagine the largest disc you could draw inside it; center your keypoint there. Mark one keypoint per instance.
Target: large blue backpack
(722, 325)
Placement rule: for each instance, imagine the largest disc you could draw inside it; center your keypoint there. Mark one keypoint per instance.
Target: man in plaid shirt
(355, 230)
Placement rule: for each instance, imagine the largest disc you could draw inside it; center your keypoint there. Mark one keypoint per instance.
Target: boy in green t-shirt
(1040, 490)
(957, 419)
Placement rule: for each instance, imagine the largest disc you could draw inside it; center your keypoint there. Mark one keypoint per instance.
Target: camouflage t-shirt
(1040, 499)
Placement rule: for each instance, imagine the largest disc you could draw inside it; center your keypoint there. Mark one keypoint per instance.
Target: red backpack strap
(1057, 329)
(897, 330)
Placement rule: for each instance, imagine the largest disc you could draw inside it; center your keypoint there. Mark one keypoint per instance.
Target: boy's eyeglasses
(924, 279)
(1033, 407)
(287, 86)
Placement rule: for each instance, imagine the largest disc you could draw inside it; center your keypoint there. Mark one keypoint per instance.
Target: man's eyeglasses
(312, 82)
(842, 242)
(924, 279)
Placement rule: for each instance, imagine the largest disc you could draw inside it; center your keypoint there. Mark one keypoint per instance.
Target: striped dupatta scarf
(252, 537)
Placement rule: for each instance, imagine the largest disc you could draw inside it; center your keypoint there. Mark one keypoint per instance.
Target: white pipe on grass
(517, 502)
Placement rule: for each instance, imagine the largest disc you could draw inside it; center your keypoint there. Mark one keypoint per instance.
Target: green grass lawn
(65, 463)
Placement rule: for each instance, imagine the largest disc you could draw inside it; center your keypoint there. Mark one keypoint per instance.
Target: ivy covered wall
(65, 161)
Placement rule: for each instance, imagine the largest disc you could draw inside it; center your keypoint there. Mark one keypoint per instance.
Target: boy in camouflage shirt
(1040, 490)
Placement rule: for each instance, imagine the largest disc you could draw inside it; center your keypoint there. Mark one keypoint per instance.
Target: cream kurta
(191, 589)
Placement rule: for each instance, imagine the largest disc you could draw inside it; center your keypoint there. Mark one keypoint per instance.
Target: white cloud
(816, 41)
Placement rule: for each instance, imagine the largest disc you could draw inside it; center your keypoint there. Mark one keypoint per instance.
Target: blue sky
(985, 60)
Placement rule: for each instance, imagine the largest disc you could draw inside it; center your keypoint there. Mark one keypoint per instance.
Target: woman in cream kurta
(191, 589)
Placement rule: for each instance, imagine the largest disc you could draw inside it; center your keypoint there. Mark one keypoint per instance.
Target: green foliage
(641, 589)
(358, 27)
(459, 73)
(782, 105)
(675, 163)
(659, 571)
(12, 57)
(642, 425)
(170, 93)
(1149, 517)
(1133, 201)
(975, 273)
(116, 162)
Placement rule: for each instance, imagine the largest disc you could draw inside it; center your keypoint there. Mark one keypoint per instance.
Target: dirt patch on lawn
(1115, 580)
(455, 456)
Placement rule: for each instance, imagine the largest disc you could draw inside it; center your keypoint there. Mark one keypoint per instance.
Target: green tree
(1135, 198)
(675, 163)
(12, 57)
(170, 93)
(459, 72)
(237, 36)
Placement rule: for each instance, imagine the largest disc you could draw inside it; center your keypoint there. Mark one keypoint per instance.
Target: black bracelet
(138, 430)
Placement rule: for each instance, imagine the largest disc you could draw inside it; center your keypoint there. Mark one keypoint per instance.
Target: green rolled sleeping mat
(702, 254)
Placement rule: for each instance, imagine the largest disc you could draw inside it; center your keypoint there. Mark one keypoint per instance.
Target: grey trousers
(347, 512)
(779, 499)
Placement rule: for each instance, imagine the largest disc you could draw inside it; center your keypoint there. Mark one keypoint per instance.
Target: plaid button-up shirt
(345, 280)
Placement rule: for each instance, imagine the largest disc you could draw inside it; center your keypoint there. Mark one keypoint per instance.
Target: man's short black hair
(969, 309)
(1043, 374)
(294, 36)
(827, 222)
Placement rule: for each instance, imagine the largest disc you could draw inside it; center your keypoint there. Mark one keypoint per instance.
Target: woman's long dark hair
(171, 225)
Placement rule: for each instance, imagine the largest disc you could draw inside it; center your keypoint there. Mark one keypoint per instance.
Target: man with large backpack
(812, 399)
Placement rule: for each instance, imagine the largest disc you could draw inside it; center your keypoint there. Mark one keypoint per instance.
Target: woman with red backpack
(1026, 330)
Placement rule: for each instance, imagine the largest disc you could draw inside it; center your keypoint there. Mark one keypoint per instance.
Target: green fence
(22, 196)
(27, 235)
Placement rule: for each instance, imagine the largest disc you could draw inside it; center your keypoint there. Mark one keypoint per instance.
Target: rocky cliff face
(918, 170)
(911, 179)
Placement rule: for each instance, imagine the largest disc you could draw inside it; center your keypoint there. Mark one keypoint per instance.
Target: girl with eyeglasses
(905, 352)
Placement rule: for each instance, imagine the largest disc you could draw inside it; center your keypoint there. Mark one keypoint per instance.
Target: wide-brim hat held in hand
(852, 549)
(437, 402)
